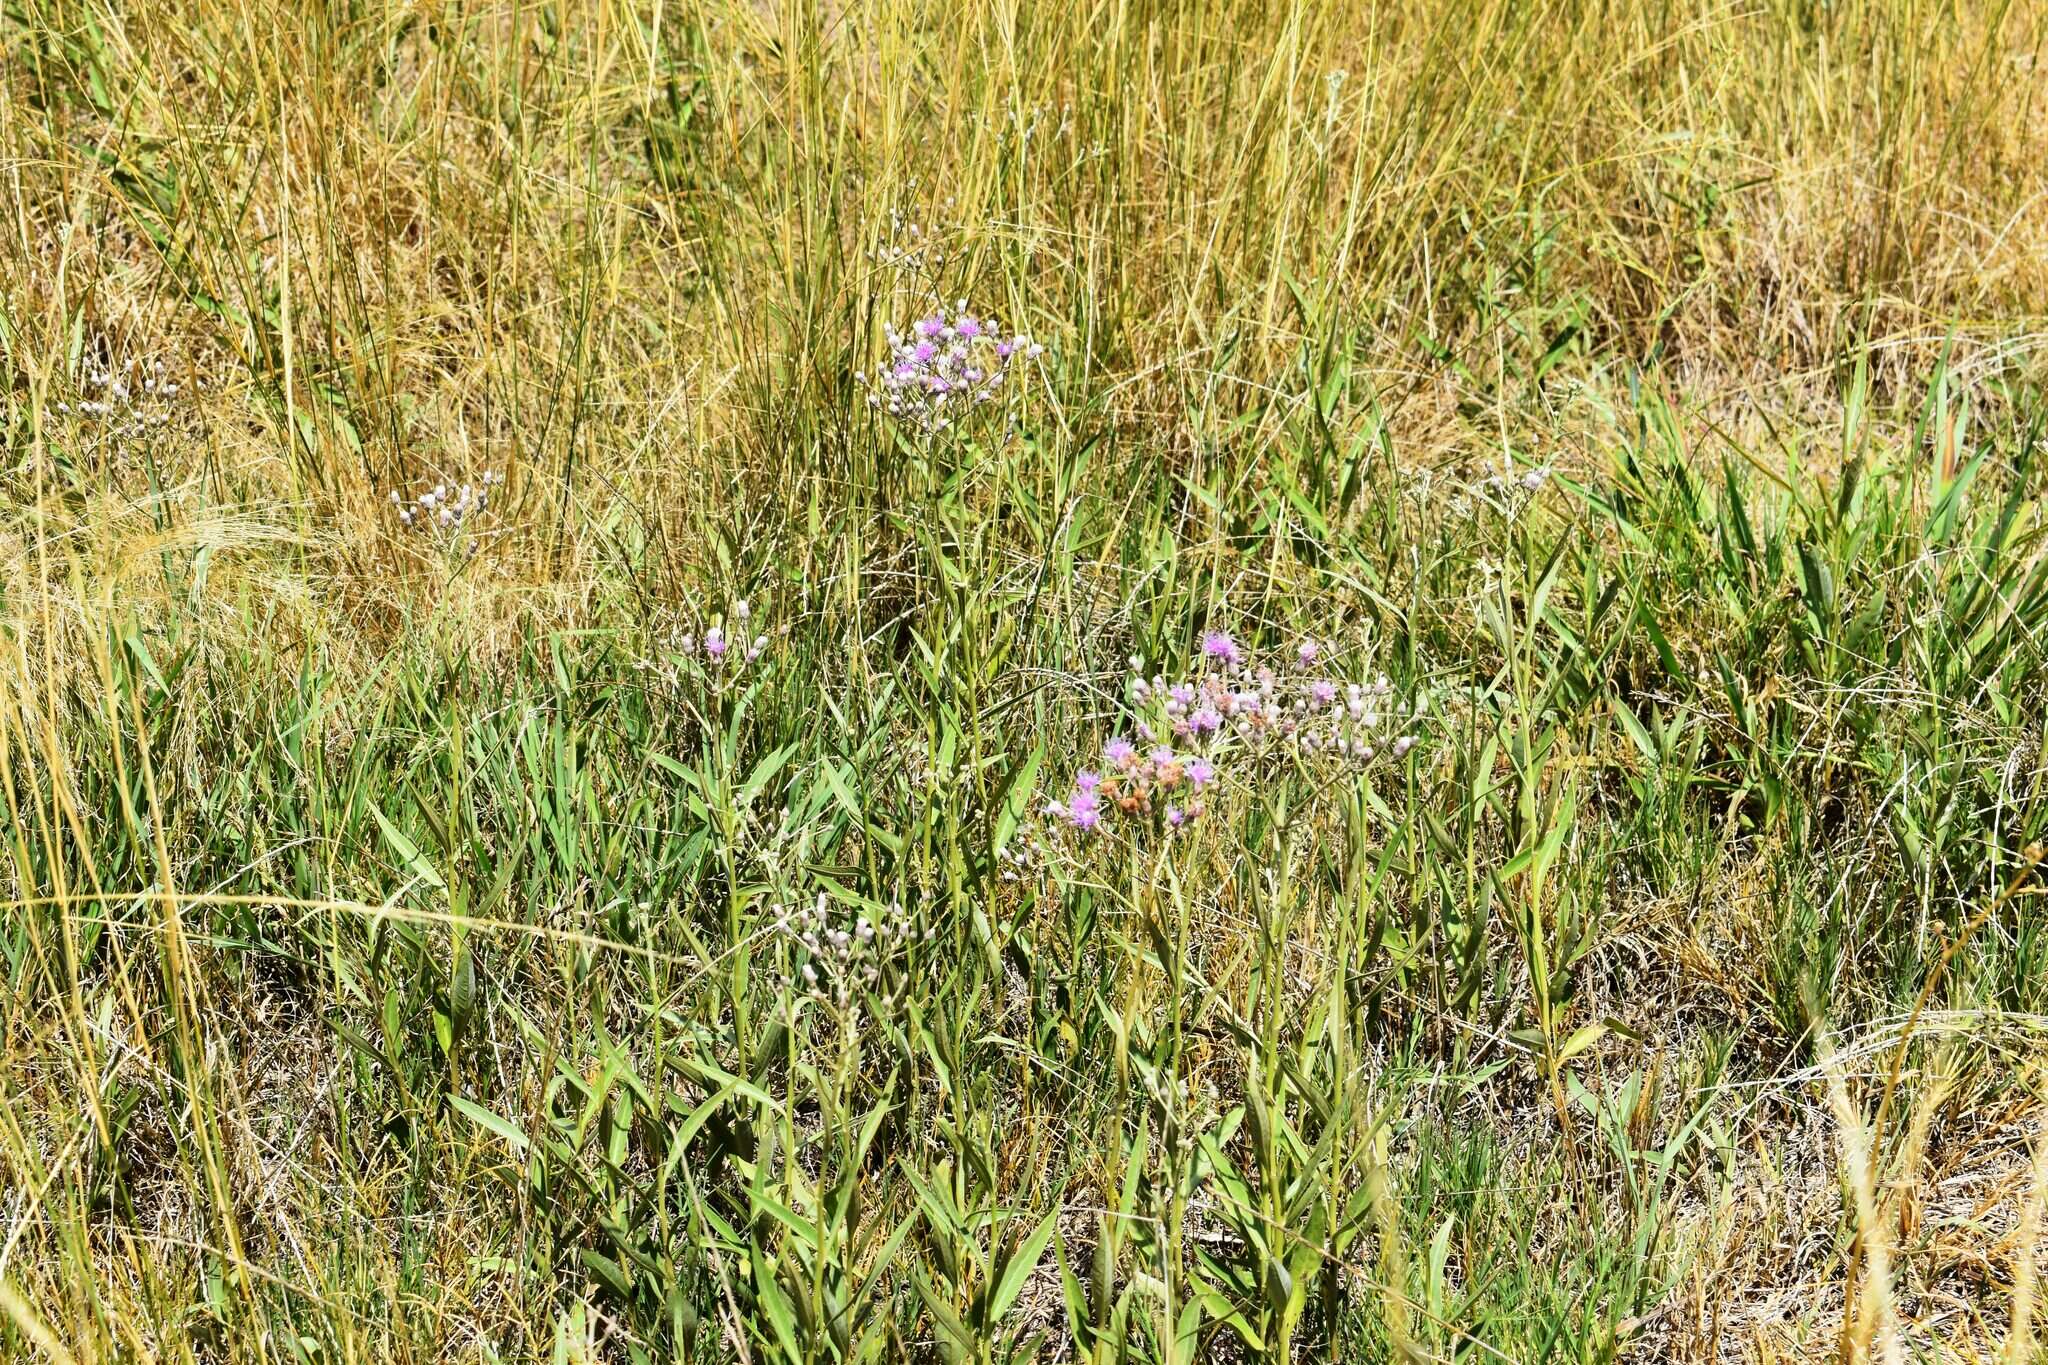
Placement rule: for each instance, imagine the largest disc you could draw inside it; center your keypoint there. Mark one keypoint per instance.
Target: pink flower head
(1201, 773)
(1322, 691)
(1086, 781)
(1217, 645)
(1307, 652)
(1176, 817)
(1084, 810)
(1119, 752)
(1205, 721)
(714, 643)
(967, 325)
(1161, 756)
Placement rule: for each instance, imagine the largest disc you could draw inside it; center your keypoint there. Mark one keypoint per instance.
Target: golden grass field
(541, 823)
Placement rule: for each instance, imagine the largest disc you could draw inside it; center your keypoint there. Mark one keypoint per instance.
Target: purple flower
(1201, 773)
(940, 367)
(714, 643)
(1181, 695)
(1086, 781)
(1217, 645)
(1205, 721)
(1119, 752)
(1084, 810)
(1322, 691)
(1175, 817)
(1307, 652)
(1161, 756)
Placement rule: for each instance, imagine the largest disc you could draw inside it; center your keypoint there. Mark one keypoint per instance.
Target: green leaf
(1439, 1258)
(1190, 1330)
(1580, 1041)
(767, 1203)
(609, 1273)
(1017, 797)
(765, 771)
(1224, 1311)
(842, 792)
(462, 991)
(955, 1341)
(407, 852)
(1636, 733)
(503, 1127)
(1019, 1269)
(703, 1112)
(1277, 1284)
(776, 1306)
(1071, 1293)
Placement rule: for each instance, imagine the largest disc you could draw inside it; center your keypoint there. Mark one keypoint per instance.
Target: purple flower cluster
(727, 646)
(1231, 713)
(1231, 701)
(718, 650)
(1159, 784)
(944, 364)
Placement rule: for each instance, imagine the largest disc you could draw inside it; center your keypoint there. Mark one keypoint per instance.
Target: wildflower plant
(948, 361)
(1231, 715)
(715, 649)
(126, 400)
(447, 510)
(840, 956)
(1510, 491)
(913, 247)
(944, 365)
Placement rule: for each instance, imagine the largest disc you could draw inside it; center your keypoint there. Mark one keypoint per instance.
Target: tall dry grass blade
(1867, 1312)
(2019, 1341)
